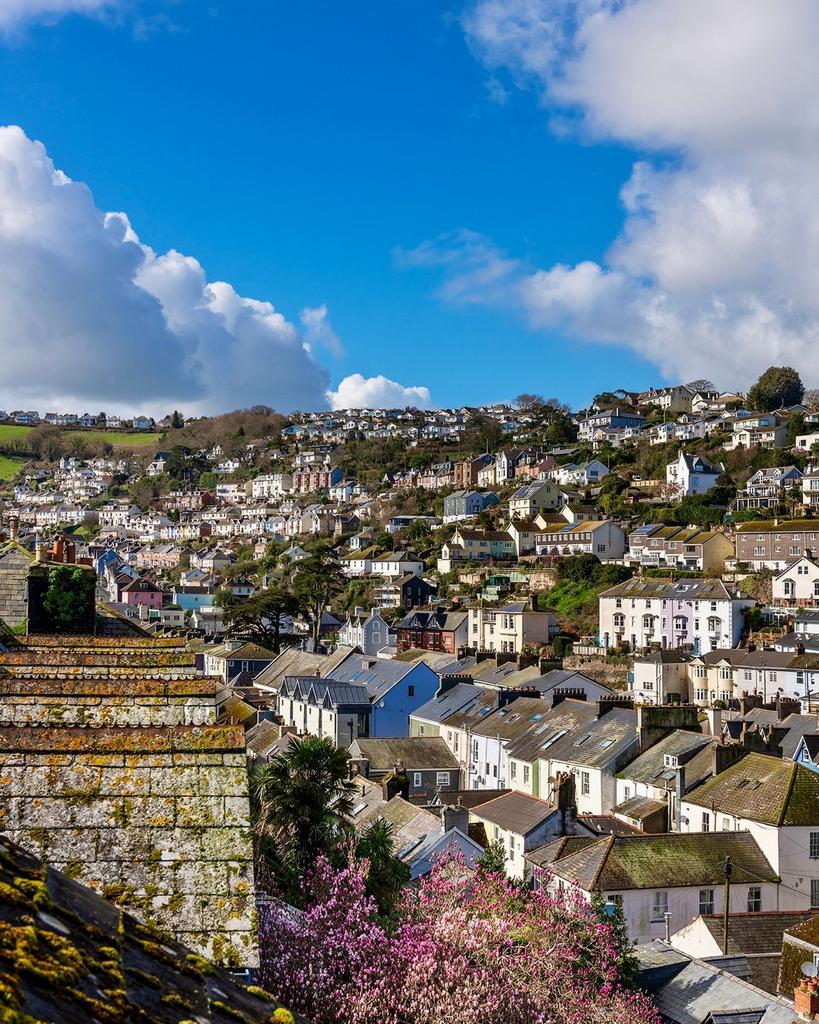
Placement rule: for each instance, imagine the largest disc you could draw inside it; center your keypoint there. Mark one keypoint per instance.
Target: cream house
(510, 627)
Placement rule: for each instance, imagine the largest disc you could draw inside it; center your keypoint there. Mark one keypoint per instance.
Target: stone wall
(107, 703)
(156, 819)
(14, 565)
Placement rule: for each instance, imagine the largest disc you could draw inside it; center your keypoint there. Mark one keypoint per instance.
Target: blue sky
(294, 148)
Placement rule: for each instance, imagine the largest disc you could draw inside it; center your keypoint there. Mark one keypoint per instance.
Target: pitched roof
(516, 812)
(755, 933)
(650, 768)
(691, 589)
(78, 945)
(295, 662)
(665, 860)
(416, 752)
(761, 788)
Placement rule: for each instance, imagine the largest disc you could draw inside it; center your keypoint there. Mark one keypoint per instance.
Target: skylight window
(553, 739)
(582, 740)
(484, 710)
(413, 844)
(536, 718)
(357, 809)
(605, 744)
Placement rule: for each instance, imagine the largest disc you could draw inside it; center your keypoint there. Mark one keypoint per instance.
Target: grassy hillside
(11, 432)
(120, 439)
(9, 468)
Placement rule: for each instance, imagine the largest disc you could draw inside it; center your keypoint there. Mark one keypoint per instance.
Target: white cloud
(14, 13)
(714, 271)
(90, 316)
(358, 392)
(319, 331)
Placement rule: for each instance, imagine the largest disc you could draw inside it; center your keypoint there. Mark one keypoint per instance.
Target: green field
(118, 438)
(9, 468)
(11, 432)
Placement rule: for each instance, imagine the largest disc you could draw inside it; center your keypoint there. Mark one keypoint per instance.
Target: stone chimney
(455, 816)
(14, 526)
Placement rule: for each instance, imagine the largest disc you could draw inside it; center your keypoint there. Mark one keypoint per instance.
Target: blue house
(396, 689)
(807, 753)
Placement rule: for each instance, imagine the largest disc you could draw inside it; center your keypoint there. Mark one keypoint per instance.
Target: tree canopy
(778, 386)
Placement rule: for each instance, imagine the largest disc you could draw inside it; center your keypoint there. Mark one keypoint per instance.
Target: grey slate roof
(378, 675)
(649, 767)
(440, 708)
(416, 752)
(516, 812)
(701, 988)
(573, 716)
(639, 807)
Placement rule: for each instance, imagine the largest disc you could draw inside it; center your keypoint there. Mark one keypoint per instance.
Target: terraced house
(771, 544)
(695, 615)
(775, 801)
(679, 547)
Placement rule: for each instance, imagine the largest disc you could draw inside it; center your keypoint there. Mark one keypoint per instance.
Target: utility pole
(726, 870)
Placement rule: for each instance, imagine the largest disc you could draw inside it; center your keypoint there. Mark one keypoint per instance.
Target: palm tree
(387, 874)
(300, 802)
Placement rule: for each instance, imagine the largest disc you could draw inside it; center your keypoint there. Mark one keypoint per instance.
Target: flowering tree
(469, 948)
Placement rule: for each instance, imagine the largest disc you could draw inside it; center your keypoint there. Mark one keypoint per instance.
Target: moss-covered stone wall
(154, 819)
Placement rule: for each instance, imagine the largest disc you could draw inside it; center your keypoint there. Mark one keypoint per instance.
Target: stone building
(116, 770)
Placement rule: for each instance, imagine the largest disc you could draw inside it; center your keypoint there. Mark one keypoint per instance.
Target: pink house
(142, 592)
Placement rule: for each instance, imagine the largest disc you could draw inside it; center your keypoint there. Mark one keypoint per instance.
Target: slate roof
(639, 807)
(688, 590)
(378, 675)
(543, 856)
(339, 693)
(649, 767)
(514, 720)
(440, 708)
(666, 860)
(788, 731)
(755, 933)
(573, 716)
(699, 989)
(62, 947)
(599, 743)
(294, 662)
(516, 812)
(416, 752)
(761, 788)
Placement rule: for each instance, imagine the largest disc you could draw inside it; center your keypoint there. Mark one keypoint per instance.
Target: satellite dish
(809, 969)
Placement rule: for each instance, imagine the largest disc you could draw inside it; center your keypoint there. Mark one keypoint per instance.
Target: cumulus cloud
(14, 13)
(318, 330)
(91, 316)
(359, 392)
(714, 271)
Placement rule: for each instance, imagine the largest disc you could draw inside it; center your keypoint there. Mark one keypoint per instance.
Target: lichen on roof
(67, 955)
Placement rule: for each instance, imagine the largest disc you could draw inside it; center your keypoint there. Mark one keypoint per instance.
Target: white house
(369, 633)
(651, 876)
(696, 615)
(798, 585)
(777, 802)
(692, 474)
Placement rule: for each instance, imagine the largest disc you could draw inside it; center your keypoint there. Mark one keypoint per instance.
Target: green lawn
(9, 468)
(11, 432)
(118, 438)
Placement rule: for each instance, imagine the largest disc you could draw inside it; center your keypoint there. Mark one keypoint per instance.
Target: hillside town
(578, 650)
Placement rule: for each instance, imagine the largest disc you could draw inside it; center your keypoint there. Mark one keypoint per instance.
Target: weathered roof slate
(68, 955)
(766, 789)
